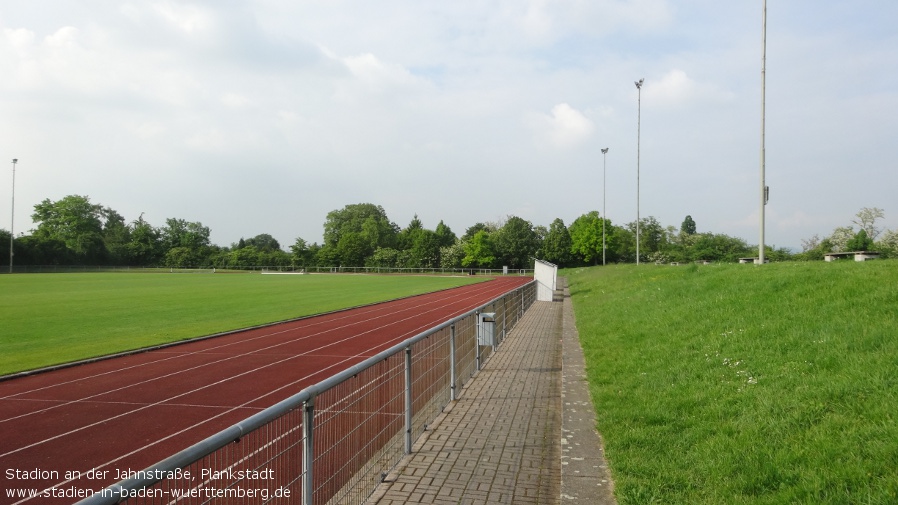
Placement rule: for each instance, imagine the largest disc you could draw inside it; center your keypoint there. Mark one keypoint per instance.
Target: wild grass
(740, 384)
(46, 319)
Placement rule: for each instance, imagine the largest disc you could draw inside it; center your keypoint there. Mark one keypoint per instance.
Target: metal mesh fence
(262, 466)
(335, 441)
(465, 351)
(355, 430)
(431, 376)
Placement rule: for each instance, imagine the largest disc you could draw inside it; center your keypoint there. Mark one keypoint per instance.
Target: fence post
(308, 453)
(452, 376)
(504, 317)
(408, 400)
(477, 338)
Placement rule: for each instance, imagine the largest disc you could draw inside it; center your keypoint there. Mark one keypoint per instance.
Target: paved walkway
(521, 432)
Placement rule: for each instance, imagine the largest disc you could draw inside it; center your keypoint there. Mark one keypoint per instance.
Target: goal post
(545, 275)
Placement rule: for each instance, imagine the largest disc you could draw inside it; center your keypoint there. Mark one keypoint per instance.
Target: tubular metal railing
(335, 441)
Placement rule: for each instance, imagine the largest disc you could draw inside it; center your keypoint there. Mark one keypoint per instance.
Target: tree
(370, 227)
(424, 251)
(866, 218)
(479, 251)
(4, 246)
(186, 244)
(264, 243)
(808, 244)
(445, 237)
(75, 221)
(586, 237)
(327, 256)
(515, 243)
(718, 247)
(470, 232)
(366, 219)
(406, 236)
(860, 242)
(179, 257)
(301, 254)
(181, 233)
(688, 226)
(840, 237)
(556, 247)
(384, 257)
(888, 244)
(652, 236)
(35, 250)
(116, 237)
(244, 257)
(353, 249)
(451, 256)
(144, 246)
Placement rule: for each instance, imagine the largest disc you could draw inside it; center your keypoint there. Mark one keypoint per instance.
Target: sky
(263, 116)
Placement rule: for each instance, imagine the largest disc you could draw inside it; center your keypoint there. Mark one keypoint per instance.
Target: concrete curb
(585, 477)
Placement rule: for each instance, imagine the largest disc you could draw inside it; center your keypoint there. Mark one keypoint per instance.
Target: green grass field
(740, 384)
(56, 318)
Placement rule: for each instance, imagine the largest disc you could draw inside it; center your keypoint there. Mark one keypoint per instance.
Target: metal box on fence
(486, 329)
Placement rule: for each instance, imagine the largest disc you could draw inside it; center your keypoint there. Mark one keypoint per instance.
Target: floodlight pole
(638, 133)
(763, 113)
(604, 153)
(13, 213)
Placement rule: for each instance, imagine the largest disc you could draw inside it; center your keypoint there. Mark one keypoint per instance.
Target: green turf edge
(744, 384)
(83, 316)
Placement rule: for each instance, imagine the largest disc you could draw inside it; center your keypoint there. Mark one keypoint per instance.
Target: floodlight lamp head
(15, 160)
(604, 151)
(639, 83)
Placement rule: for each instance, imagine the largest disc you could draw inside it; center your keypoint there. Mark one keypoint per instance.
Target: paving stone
(501, 440)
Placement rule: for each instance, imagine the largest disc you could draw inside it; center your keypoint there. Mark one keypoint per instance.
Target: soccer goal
(545, 274)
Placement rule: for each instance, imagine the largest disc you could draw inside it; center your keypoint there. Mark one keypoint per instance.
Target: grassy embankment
(745, 385)
(47, 319)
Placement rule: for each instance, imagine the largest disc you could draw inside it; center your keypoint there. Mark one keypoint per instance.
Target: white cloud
(148, 130)
(563, 127)
(354, 96)
(21, 39)
(676, 89)
(377, 76)
(185, 17)
(234, 100)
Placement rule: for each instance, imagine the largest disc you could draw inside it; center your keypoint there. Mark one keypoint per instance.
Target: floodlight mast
(604, 153)
(638, 134)
(763, 114)
(13, 213)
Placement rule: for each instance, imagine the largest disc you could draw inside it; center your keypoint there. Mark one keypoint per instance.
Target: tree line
(75, 231)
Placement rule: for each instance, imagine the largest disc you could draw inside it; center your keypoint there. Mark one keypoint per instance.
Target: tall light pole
(604, 153)
(13, 213)
(763, 113)
(638, 132)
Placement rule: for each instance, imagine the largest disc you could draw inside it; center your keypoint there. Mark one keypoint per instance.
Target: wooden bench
(858, 255)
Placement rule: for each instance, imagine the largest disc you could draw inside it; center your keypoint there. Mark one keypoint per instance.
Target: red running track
(132, 411)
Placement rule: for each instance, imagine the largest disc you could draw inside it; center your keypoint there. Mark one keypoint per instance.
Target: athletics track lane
(132, 411)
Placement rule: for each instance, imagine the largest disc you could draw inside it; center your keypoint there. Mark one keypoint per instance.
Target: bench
(858, 255)
(752, 260)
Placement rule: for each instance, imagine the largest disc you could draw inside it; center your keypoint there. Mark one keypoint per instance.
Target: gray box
(486, 329)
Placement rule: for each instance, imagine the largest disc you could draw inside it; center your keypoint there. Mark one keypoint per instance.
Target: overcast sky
(262, 116)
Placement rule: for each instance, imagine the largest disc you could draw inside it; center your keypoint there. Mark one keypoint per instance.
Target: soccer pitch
(49, 319)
